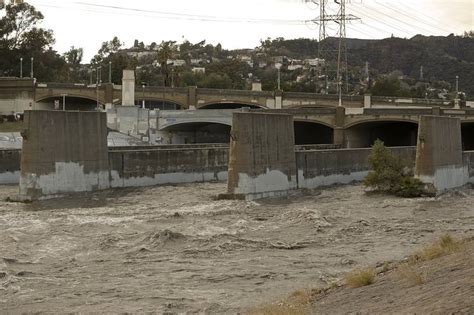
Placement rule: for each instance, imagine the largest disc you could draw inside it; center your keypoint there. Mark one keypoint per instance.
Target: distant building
(196, 61)
(176, 62)
(262, 64)
(198, 70)
(316, 62)
(294, 67)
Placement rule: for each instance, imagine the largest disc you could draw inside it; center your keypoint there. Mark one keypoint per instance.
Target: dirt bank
(176, 249)
(443, 285)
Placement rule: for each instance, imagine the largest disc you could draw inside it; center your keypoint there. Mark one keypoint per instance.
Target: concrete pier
(262, 157)
(63, 152)
(439, 156)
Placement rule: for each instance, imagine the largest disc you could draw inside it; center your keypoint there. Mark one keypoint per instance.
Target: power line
(379, 21)
(412, 18)
(403, 14)
(174, 15)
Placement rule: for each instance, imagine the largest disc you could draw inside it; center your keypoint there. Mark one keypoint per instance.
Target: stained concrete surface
(175, 249)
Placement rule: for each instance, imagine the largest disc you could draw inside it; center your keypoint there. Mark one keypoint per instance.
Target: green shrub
(388, 173)
(410, 187)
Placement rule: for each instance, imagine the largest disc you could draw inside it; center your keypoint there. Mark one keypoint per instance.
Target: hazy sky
(240, 23)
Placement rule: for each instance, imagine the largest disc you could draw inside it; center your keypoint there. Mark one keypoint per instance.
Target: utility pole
(32, 67)
(110, 71)
(21, 68)
(367, 73)
(456, 98)
(421, 74)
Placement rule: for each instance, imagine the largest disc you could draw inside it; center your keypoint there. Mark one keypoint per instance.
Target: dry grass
(300, 302)
(282, 309)
(386, 267)
(408, 273)
(444, 246)
(297, 303)
(360, 278)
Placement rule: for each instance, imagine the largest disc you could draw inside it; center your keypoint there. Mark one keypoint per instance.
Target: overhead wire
(412, 18)
(379, 21)
(83, 6)
(420, 13)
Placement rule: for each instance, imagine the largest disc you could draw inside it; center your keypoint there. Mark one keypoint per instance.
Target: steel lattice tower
(333, 14)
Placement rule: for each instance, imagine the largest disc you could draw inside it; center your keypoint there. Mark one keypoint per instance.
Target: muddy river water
(175, 249)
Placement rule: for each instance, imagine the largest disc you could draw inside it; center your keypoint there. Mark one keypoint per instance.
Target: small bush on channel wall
(390, 174)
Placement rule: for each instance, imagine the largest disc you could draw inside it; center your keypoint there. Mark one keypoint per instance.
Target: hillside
(442, 58)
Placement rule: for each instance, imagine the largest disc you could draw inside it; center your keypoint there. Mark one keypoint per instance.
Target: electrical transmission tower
(333, 12)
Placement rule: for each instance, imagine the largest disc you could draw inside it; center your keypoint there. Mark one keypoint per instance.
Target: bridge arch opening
(307, 132)
(467, 133)
(392, 133)
(71, 103)
(158, 104)
(229, 105)
(196, 132)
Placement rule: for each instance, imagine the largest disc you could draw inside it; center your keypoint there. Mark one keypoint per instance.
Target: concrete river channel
(176, 249)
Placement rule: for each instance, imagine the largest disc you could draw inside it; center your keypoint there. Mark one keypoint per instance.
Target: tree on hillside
(166, 52)
(110, 52)
(21, 37)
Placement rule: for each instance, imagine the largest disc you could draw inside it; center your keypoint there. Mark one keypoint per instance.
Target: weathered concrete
(130, 120)
(319, 168)
(128, 88)
(439, 160)
(130, 168)
(262, 158)
(10, 140)
(10, 166)
(468, 159)
(63, 152)
(16, 95)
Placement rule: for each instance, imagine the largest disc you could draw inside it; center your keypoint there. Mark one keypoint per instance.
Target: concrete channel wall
(144, 167)
(167, 166)
(10, 166)
(320, 168)
(468, 160)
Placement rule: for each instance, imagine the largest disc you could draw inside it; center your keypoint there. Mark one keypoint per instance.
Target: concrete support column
(340, 116)
(128, 88)
(436, 111)
(439, 159)
(338, 136)
(109, 95)
(192, 97)
(278, 99)
(262, 156)
(367, 101)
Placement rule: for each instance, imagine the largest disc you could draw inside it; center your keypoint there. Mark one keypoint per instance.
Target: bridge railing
(397, 111)
(299, 111)
(405, 101)
(161, 89)
(467, 112)
(235, 92)
(54, 85)
(332, 97)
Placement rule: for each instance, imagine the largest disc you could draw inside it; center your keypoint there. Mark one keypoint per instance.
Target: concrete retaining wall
(167, 166)
(63, 152)
(329, 167)
(468, 160)
(10, 166)
(439, 158)
(262, 157)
